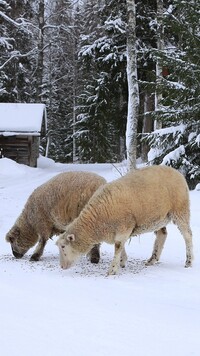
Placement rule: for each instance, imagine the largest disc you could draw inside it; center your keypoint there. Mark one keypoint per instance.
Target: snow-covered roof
(16, 118)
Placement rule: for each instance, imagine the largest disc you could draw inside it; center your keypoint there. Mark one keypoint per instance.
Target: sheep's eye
(63, 247)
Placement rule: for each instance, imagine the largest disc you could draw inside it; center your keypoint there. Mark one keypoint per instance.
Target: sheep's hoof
(111, 274)
(150, 262)
(112, 271)
(188, 264)
(35, 257)
(122, 264)
(94, 259)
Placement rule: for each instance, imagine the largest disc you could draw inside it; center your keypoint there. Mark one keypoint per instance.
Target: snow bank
(8, 167)
(197, 187)
(44, 162)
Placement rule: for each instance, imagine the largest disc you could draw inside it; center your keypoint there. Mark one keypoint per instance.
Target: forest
(71, 55)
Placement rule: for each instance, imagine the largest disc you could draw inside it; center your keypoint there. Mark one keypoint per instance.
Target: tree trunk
(40, 61)
(160, 47)
(133, 90)
(149, 102)
(74, 118)
(74, 109)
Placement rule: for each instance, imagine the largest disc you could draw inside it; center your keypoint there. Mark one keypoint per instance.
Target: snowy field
(44, 310)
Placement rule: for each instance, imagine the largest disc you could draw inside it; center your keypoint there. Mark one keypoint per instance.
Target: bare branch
(17, 54)
(20, 24)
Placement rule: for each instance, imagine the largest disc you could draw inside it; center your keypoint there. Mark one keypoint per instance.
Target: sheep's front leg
(119, 247)
(123, 258)
(39, 249)
(94, 254)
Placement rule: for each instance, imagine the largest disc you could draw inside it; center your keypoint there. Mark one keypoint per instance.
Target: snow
(174, 155)
(171, 130)
(198, 140)
(81, 312)
(24, 118)
(156, 150)
(197, 186)
(117, 24)
(4, 42)
(153, 153)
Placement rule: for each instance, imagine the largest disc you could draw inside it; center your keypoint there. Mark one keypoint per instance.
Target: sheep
(143, 200)
(49, 208)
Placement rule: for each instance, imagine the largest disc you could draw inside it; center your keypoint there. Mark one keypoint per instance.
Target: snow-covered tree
(104, 95)
(179, 147)
(181, 92)
(61, 76)
(16, 50)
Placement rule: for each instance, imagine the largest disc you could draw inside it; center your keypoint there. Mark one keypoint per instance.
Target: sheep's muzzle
(17, 254)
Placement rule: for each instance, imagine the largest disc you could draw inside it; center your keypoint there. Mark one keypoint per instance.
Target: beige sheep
(49, 209)
(143, 200)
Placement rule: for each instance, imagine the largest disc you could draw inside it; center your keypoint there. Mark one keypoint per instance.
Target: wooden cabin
(22, 126)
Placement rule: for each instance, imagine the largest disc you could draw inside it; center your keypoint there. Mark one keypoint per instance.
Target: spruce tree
(60, 77)
(179, 144)
(102, 109)
(16, 52)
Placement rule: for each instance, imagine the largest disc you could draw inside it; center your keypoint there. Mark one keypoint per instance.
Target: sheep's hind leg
(94, 254)
(39, 250)
(186, 232)
(161, 236)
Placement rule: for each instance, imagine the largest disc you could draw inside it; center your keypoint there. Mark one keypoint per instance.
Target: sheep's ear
(70, 237)
(13, 234)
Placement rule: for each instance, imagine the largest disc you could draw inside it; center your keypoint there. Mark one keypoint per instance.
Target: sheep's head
(68, 254)
(18, 244)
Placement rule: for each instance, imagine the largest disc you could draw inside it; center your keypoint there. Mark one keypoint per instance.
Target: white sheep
(49, 209)
(143, 200)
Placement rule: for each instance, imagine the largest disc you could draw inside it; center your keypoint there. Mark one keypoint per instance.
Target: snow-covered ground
(80, 312)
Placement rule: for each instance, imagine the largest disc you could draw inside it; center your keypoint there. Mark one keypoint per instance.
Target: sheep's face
(68, 255)
(15, 237)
